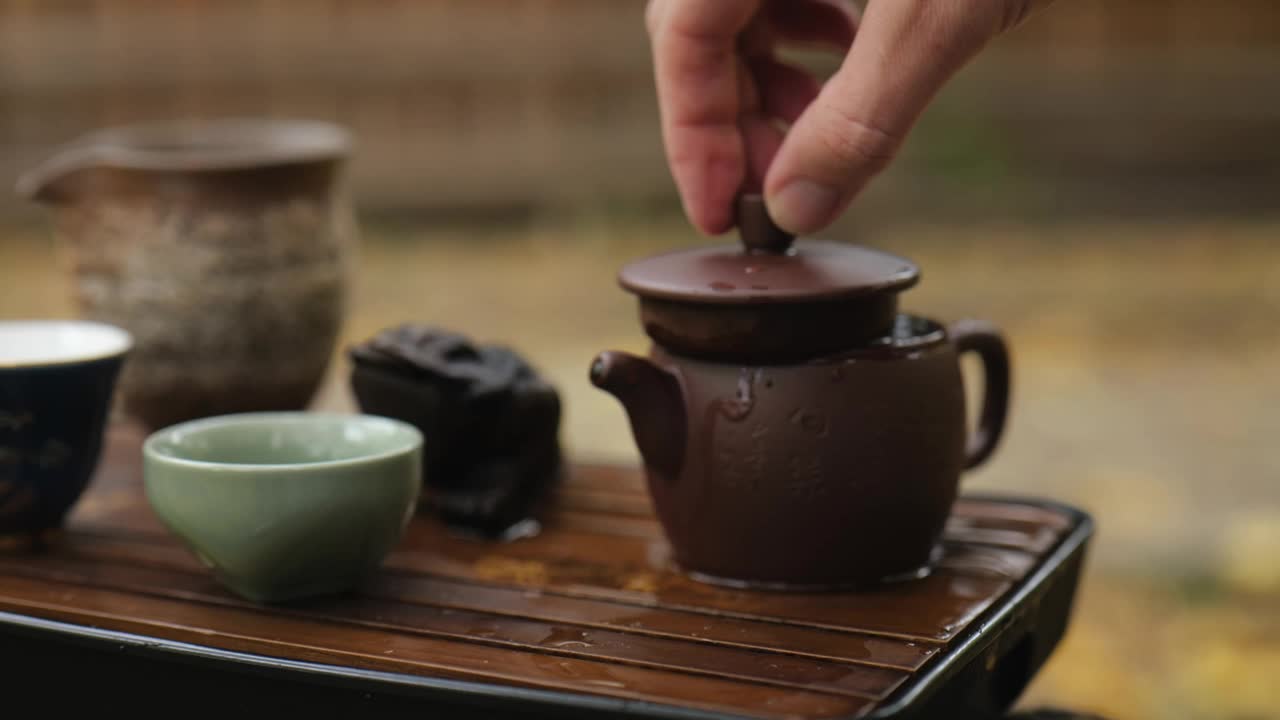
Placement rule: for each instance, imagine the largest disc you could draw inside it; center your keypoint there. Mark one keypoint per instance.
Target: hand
(734, 117)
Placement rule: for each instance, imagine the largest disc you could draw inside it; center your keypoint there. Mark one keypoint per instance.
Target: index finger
(696, 70)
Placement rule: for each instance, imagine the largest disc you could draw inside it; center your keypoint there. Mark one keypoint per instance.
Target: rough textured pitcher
(222, 247)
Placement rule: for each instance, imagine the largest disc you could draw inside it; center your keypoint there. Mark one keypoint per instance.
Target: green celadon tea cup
(286, 505)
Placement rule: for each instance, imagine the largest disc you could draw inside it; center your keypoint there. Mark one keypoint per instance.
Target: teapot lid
(768, 266)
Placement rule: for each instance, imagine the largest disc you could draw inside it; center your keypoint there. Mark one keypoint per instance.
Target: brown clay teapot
(797, 431)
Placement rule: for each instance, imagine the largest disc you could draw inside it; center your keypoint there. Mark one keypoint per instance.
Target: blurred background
(1104, 183)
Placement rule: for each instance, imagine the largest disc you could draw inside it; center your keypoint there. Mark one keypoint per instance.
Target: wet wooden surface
(588, 606)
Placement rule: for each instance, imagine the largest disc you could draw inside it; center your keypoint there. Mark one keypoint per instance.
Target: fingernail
(803, 205)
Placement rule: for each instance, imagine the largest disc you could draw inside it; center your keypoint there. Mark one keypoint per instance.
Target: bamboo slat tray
(583, 620)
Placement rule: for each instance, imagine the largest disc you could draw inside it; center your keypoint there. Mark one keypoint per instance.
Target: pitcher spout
(654, 402)
(54, 181)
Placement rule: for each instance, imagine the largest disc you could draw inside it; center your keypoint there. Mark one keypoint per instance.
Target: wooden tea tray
(582, 620)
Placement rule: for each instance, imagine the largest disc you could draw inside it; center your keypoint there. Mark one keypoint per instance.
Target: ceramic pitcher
(222, 247)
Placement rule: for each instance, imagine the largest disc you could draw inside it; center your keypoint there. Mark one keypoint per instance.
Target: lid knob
(758, 232)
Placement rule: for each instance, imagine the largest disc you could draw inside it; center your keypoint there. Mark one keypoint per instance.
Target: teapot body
(837, 471)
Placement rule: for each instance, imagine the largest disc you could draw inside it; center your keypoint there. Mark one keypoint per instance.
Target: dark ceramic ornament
(490, 423)
(798, 432)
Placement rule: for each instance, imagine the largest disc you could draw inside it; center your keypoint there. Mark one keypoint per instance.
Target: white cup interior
(29, 343)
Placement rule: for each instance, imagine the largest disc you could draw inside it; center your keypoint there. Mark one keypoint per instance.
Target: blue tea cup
(56, 383)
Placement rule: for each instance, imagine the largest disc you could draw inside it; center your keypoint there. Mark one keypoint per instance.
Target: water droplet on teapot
(740, 407)
(813, 422)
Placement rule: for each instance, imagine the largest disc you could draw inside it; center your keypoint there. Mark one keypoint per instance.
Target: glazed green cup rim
(173, 445)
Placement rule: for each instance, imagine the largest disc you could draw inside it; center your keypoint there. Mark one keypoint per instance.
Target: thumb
(903, 54)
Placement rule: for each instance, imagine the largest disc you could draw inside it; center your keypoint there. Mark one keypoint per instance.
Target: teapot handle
(985, 340)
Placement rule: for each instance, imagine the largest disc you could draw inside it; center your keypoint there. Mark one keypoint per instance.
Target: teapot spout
(654, 402)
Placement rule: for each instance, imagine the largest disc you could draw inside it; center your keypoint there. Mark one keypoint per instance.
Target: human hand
(734, 117)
